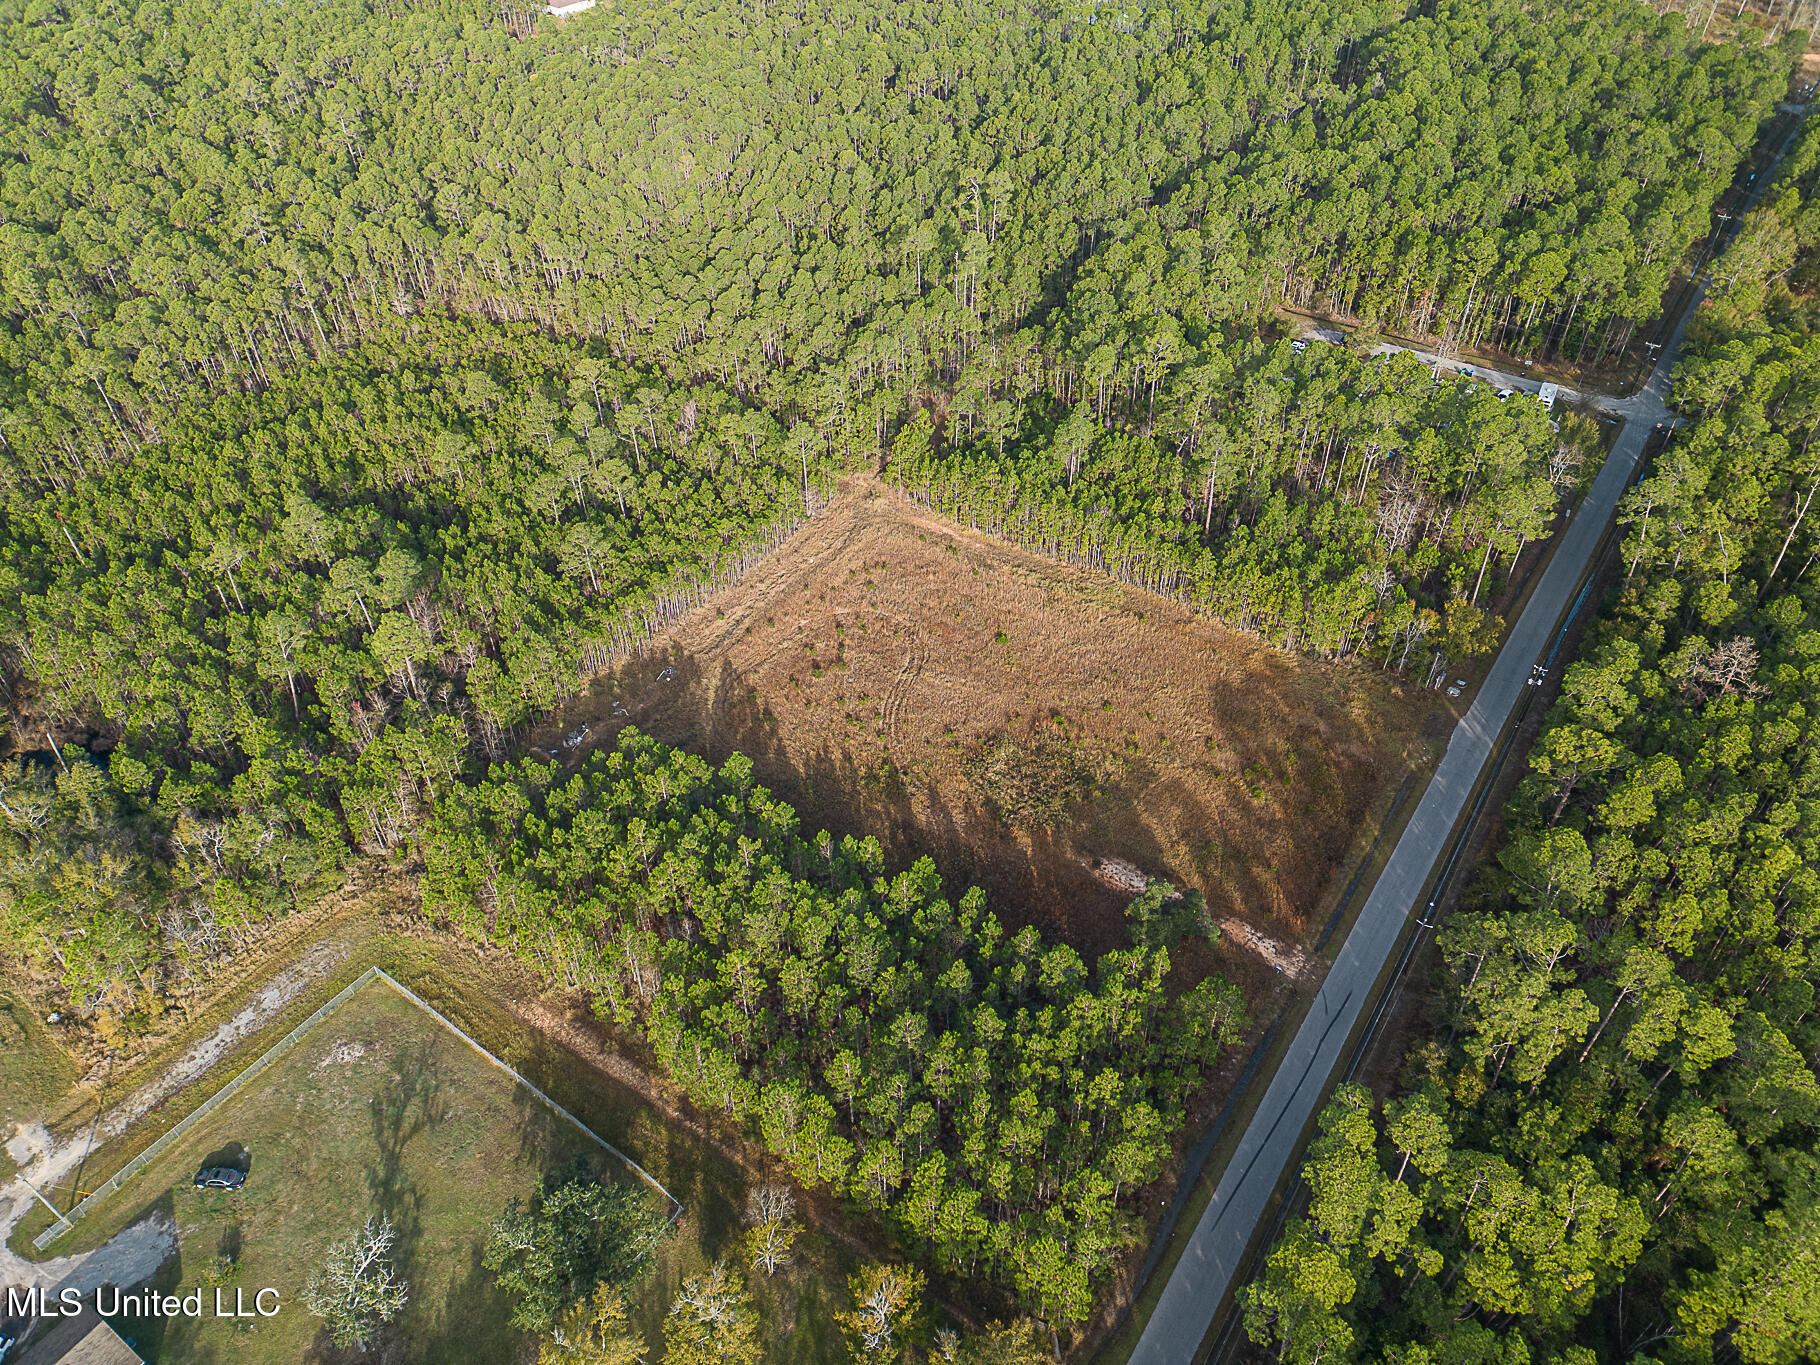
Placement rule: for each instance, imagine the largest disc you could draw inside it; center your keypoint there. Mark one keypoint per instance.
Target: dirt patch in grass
(882, 662)
(283, 988)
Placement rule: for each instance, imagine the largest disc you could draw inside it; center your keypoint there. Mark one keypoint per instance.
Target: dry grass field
(875, 662)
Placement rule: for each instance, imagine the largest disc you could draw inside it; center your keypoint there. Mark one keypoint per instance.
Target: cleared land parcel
(895, 675)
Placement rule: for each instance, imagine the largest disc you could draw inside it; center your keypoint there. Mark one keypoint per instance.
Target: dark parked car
(219, 1178)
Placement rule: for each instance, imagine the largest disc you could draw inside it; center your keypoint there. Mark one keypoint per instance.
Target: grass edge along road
(1203, 1276)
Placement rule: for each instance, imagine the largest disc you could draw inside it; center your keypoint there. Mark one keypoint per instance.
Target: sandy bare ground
(136, 1253)
(283, 988)
(1286, 958)
(128, 1259)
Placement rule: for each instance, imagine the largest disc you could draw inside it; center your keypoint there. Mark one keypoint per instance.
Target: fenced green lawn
(379, 1110)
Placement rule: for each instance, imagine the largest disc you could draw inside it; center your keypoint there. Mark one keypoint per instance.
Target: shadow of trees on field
(231, 1244)
(408, 1102)
(466, 1320)
(1272, 739)
(1036, 878)
(709, 1186)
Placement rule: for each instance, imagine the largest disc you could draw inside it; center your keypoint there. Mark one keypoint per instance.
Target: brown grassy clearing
(863, 662)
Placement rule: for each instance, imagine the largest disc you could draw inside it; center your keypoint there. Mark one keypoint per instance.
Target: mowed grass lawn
(380, 1110)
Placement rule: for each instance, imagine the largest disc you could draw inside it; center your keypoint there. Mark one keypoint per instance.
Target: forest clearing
(797, 574)
(869, 664)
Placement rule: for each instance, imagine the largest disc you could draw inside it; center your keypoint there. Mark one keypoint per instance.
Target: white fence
(284, 1045)
(446, 1022)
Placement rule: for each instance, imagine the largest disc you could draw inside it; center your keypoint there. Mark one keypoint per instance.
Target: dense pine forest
(827, 209)
(312, 604)
(992, 1094)
(1329, 502)
(371, 374)
(1608, 1144)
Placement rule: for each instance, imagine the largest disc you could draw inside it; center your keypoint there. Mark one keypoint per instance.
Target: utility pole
(40, 1197)
(95, 1127)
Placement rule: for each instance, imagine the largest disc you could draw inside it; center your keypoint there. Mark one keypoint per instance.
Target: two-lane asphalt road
(1204, 1275)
